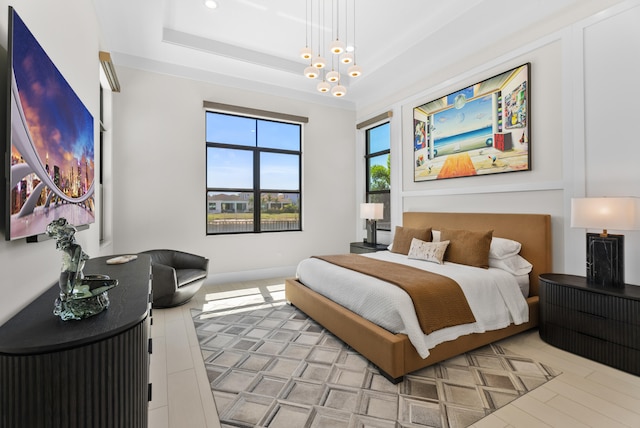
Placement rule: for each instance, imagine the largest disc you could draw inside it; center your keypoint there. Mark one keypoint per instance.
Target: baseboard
(250, 275)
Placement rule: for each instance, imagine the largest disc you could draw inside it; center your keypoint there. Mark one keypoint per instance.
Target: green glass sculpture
(80, 296)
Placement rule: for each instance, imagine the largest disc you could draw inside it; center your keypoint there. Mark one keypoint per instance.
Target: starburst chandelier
(339, 52)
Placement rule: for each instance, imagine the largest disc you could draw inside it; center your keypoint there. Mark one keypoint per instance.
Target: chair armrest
(164, 280)
(189, 261)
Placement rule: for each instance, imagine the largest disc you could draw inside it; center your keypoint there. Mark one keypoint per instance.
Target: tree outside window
(378, 170)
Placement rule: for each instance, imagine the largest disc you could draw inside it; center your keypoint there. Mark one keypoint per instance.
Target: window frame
(256, 189)
(369, 155)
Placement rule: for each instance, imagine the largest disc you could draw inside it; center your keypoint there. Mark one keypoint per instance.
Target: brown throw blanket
(438, 300)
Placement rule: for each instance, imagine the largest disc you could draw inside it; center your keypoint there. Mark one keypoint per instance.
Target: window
(253, 174)
(378, 170)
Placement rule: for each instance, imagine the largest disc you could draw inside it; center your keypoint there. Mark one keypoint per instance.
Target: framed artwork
(479, 130)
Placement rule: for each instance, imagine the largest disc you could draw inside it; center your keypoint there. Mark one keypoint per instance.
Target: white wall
(159, 176)
(610, 146)
(539, 190)
(29, 269)
(583, 111)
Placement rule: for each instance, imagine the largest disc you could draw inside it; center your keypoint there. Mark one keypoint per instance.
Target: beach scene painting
(479, 130)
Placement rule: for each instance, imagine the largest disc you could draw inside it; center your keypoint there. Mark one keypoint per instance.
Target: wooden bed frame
(394, 354)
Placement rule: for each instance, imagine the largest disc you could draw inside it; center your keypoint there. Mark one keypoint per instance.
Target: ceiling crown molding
(228, 50)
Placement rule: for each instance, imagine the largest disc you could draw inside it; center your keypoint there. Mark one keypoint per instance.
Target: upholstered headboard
(533, 231)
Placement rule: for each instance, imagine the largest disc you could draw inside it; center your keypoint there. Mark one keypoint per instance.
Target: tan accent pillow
(467, 247)
(404, 235)
(429, 251)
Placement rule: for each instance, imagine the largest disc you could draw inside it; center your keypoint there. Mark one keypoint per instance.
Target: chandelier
(339, 53)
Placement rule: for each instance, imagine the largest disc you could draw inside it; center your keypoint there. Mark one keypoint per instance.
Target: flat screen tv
(50, 142)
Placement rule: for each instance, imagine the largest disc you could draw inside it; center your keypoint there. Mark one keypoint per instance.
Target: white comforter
(493, 295)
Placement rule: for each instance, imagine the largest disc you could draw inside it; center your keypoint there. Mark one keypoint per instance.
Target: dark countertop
(36, 330)
(626, 291)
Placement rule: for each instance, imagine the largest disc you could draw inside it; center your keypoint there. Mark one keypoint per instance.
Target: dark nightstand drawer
(595, 303)
(607, 329)
(600, 323)
(602, 351)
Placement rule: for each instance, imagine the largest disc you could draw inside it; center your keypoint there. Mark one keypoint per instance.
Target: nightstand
(596, 322)
(365, 247)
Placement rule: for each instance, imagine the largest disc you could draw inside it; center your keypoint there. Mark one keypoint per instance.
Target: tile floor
(586, 394)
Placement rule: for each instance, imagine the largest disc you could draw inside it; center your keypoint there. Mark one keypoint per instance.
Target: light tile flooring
(586, 394)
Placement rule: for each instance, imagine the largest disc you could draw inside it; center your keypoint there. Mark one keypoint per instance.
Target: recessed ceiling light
(211, 4)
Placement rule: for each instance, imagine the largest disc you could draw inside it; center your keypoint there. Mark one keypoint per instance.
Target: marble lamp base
(605, 259)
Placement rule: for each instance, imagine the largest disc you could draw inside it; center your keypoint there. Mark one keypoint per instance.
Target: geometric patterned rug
(272, 366)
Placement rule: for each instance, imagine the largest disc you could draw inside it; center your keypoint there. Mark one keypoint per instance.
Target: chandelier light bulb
(305, 53)
(211, 4)
(333, 76)
(324, 86)
(346, 58)
(354, 71)
(319, 62)
(337, 47)
(323, 61)
(311, 72)
(338, 91)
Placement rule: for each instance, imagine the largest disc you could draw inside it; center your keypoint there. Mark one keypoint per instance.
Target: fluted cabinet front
(596, 322)
(102, 385)
(92, 373)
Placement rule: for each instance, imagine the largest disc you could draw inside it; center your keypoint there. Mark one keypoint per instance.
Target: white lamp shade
(354, 71)
(311, 72)
(306, 53)
(604, 213)
(338, 91)
(333, 76)
(337, 47)
(371, 211)
(319, 62)
(324, 86)
(346, 58)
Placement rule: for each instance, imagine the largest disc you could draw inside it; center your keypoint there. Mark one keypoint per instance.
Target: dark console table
(77, 374)
(597, 322)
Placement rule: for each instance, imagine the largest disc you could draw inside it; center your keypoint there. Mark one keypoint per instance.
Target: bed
(394, 354)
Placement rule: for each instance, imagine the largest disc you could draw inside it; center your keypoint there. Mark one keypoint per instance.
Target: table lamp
(605, 252)
(372, 212)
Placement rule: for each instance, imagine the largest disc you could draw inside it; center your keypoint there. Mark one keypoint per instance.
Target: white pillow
(435, 235)
(429, 251)
(515, 265)
(502, 248)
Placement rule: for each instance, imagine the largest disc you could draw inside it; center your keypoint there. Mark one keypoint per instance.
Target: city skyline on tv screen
(52, 142)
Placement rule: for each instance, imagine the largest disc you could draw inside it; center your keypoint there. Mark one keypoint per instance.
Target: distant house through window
(253, 174)
(378, 170)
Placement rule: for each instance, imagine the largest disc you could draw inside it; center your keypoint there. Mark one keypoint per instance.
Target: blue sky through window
(229, 168)
(228, 129)
(233, 168)
(279, 171)
(278, 135)
(379, 140)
